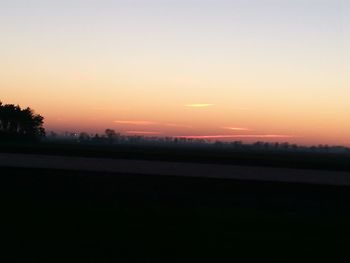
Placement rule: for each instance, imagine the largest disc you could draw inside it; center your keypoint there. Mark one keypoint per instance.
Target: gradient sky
(272, 70)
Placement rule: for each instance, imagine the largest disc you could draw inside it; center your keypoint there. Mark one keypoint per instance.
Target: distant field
(305, 199)
(117, 214)
(199, 154)
(175, 168)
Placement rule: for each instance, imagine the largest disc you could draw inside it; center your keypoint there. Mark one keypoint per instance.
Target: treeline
(20, 124)
(111, 137)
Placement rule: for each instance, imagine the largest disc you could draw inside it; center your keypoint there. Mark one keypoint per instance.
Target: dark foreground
(60, 216)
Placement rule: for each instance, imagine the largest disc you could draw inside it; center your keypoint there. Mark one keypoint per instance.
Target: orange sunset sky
(243, 70)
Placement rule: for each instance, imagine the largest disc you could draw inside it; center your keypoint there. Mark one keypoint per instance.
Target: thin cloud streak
(237, 129)
(199, 105)
(143, 132)
(264, 136)
(129, 122)
(135, 122)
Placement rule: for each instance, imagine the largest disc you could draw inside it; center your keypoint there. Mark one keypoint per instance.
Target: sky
(270, 70)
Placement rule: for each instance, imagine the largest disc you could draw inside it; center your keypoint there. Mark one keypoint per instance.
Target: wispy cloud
(143, 132)
(237, 128)
(199, 105)
(130, 122)
(258, 136)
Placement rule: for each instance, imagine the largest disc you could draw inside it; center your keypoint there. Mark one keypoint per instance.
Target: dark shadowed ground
(197, 154)
(55, 215)
(82, 215)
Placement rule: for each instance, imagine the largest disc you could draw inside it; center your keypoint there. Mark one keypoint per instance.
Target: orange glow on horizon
(136, 122)
(143, 132)
(262, 136)
(199, 105)
(111, 65)
(236, 128)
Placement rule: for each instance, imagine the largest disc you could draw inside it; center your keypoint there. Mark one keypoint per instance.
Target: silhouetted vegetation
(20, 124)
(112, 138)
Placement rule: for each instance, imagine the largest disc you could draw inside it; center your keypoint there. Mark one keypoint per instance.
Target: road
(175, 169)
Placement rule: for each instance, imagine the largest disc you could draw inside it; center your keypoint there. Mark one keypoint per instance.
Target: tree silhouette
(17, 123)
(112, 136)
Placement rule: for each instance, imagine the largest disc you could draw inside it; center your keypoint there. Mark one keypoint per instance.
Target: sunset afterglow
(259, 70)
(199, 105)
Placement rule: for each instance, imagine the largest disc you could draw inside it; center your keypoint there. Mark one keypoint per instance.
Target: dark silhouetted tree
(17, 123)
(112, 136)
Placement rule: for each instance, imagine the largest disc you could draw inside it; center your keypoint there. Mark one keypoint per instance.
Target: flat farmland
(124, 209)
